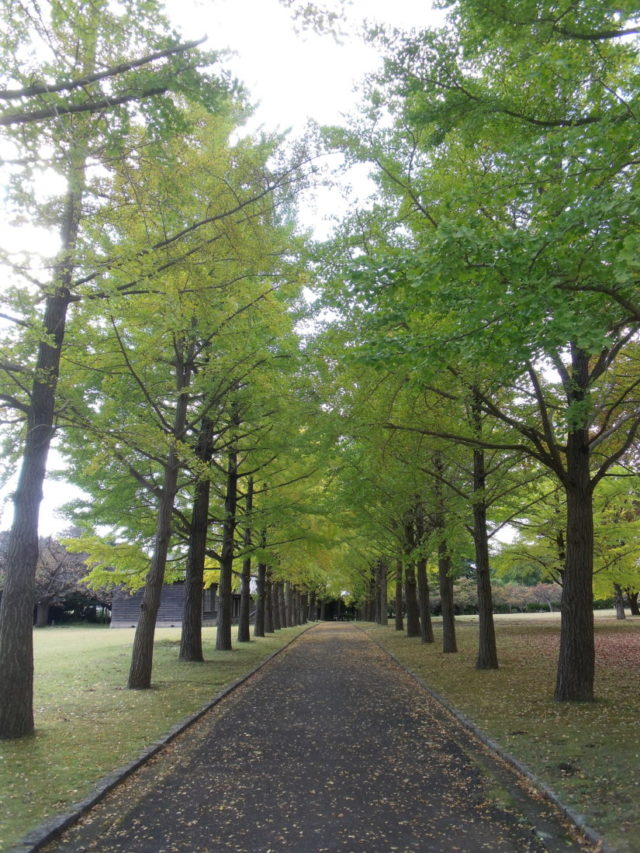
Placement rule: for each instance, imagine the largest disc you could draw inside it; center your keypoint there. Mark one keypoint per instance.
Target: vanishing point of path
(331, 746)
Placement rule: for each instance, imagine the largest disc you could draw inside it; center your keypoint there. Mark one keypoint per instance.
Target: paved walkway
(330, 747)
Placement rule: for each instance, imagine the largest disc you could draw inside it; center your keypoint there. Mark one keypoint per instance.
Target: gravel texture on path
(331, 746)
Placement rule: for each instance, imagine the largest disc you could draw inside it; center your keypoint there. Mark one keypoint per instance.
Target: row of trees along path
(331, 746)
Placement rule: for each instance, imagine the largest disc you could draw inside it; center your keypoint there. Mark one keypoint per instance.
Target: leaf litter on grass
(587, 753)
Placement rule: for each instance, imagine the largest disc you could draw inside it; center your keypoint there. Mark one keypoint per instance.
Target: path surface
(331, 747)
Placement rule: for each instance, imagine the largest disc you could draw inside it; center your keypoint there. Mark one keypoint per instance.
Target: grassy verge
(587, 753)
(88, 723)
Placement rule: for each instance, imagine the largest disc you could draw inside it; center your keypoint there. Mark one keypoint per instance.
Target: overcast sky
(292, 76)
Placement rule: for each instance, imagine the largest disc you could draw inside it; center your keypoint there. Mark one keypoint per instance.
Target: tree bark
(269, 618)
(576, 661)
(16, 609)
(223, 637)
(449, 644)
(619, 601)
(259, 626)
(632, 602)
(399, 624)
(42, 614)
(277, 610)
(383, 593)
(245, 589)
(424, 604)
(410, 588)
(487, 649)
(191, 635)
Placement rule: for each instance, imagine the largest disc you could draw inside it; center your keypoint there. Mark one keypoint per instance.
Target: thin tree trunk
(223, 638)
(383, 593)
(269, 618)
(142, 653)
(191, 635)
(399, 624)
(282, 614)
(259, 627)
(410, 588)
(449, 644)
(619, 601)
(287, 596)
(424, 604)
(277, 611)
(487, 649)
(245, 590)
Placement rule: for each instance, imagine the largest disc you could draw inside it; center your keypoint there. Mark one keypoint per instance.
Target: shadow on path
(331, 746)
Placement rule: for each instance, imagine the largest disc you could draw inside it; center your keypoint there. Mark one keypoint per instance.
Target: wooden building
(126, 607)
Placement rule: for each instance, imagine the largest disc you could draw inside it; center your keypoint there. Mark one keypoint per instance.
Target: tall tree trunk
(424, 604)
(449, 644)
(191, 635)
(269, 617)
(142, 653)
(277, 610)
(223, 638)
(399, 624)
(410, 588)
(619, 601)
(487, 649)
(383, 592)
(259, 626)
(282, 613)
(245, 590)
(312, 615)
(16, 609)
(287, 596)
(576, 661)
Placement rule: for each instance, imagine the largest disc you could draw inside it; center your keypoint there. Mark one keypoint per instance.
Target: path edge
(49, 829)
(521, 769)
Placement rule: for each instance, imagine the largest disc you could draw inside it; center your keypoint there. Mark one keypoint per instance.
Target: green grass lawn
(88, 723)
(589, 754)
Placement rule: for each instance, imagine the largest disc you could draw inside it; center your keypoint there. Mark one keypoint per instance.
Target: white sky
(292, 76)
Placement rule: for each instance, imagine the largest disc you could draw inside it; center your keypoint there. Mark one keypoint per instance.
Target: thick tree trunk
(426, 624)
(245, 589)
(487, 649)
(16, 609)
(191, 635)
(399, 624)
(632, 602)
(223, 638)
(449, 644)
(576, 661)
(619, 601)
(313, 608)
